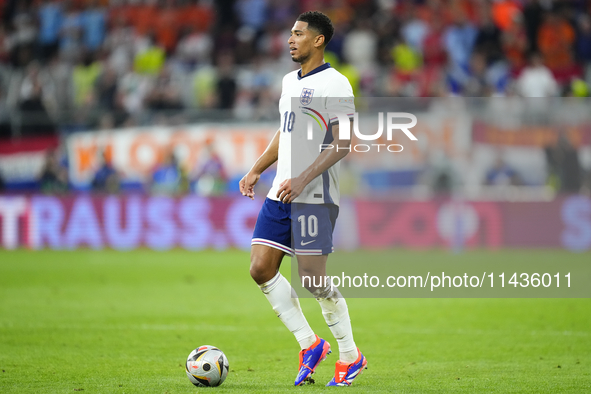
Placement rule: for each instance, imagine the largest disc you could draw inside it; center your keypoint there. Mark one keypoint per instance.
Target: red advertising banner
(195, 223)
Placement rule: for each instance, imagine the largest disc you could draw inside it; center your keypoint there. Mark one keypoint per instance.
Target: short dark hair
(318, 21)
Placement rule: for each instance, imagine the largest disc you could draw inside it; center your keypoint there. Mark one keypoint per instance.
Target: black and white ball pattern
(207, 366)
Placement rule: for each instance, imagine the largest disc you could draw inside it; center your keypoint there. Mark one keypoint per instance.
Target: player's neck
(311, 64)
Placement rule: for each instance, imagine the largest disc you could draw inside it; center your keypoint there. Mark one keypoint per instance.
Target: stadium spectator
(211, 177)
(35, 99)
(387, 30)
(226, 86)
(71, 32)
(252, 18)
(84, 78)
(196, 14)
(142, 16)
(224, 41)
(504, 13)
(415, 30)
(502, 174)
(106, 179)
(117, 117)
(264, 108)
(252, 15)
(477, 81)
(61, 74)
(133, 88)
(515, 45)
(488, 38)
(106, 89)
(150, 57)
(167, 176)
(22, 39)
(407, 63)
(204, 89)
(459, 39)
(360, 47)
(50, 14)
(583, 45)
(93, 20)
(164, 97)
(434, 51)
(406, 58)
(555, 42)
(167, 25)
(119, 44)
(37, 81)
(54, 176)
(536, 80)
(194, 48)
(260, 90)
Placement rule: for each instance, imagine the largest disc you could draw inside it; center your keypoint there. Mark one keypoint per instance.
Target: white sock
(287, 307)
(336, 315)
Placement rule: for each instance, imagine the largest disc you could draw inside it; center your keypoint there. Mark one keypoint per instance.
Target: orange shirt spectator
(504, 13)
(144, 18)
(124, 12)
(196, 16)
(167, 22)
(555, 40)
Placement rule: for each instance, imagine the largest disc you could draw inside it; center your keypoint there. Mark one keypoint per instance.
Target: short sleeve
(340, 99)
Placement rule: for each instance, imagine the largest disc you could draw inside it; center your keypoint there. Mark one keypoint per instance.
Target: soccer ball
(207, 366)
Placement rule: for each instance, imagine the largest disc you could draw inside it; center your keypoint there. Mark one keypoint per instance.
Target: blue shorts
(312, 224)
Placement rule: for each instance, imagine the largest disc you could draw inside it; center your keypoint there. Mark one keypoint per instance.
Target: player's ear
(319, 41)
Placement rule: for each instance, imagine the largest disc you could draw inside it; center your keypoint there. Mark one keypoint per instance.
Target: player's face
(301, 42)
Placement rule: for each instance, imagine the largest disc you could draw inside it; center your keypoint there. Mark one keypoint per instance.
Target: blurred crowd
(88, 64)
(169, 177)
(77, 65)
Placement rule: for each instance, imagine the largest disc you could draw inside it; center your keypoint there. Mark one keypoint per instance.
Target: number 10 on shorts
(311, 225)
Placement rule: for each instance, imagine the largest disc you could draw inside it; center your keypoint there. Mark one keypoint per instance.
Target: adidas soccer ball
(207, 366)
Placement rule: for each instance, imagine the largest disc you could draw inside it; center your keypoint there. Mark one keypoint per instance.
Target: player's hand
(289, 190)
(247, 184)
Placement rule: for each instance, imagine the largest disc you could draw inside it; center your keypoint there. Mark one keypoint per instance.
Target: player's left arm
(289, 189)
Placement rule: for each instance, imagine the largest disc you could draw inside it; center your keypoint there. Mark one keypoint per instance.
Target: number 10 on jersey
(288, 121)
(312, 224)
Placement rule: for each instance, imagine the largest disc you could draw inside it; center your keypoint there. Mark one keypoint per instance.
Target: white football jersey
(314, 99)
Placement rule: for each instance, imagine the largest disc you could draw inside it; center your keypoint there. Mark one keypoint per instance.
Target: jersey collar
(316, 70)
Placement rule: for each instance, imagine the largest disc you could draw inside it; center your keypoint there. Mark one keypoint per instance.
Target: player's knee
(260, 271)
(256, 274)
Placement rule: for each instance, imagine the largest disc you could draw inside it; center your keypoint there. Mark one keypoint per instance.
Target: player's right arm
(268, 157)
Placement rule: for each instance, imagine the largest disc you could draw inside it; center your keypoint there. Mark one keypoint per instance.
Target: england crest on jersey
(306, 96)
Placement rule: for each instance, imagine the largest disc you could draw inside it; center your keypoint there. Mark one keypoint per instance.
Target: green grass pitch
(124, 322)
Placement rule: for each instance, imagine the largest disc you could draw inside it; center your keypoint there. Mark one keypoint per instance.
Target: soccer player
(311, 195)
